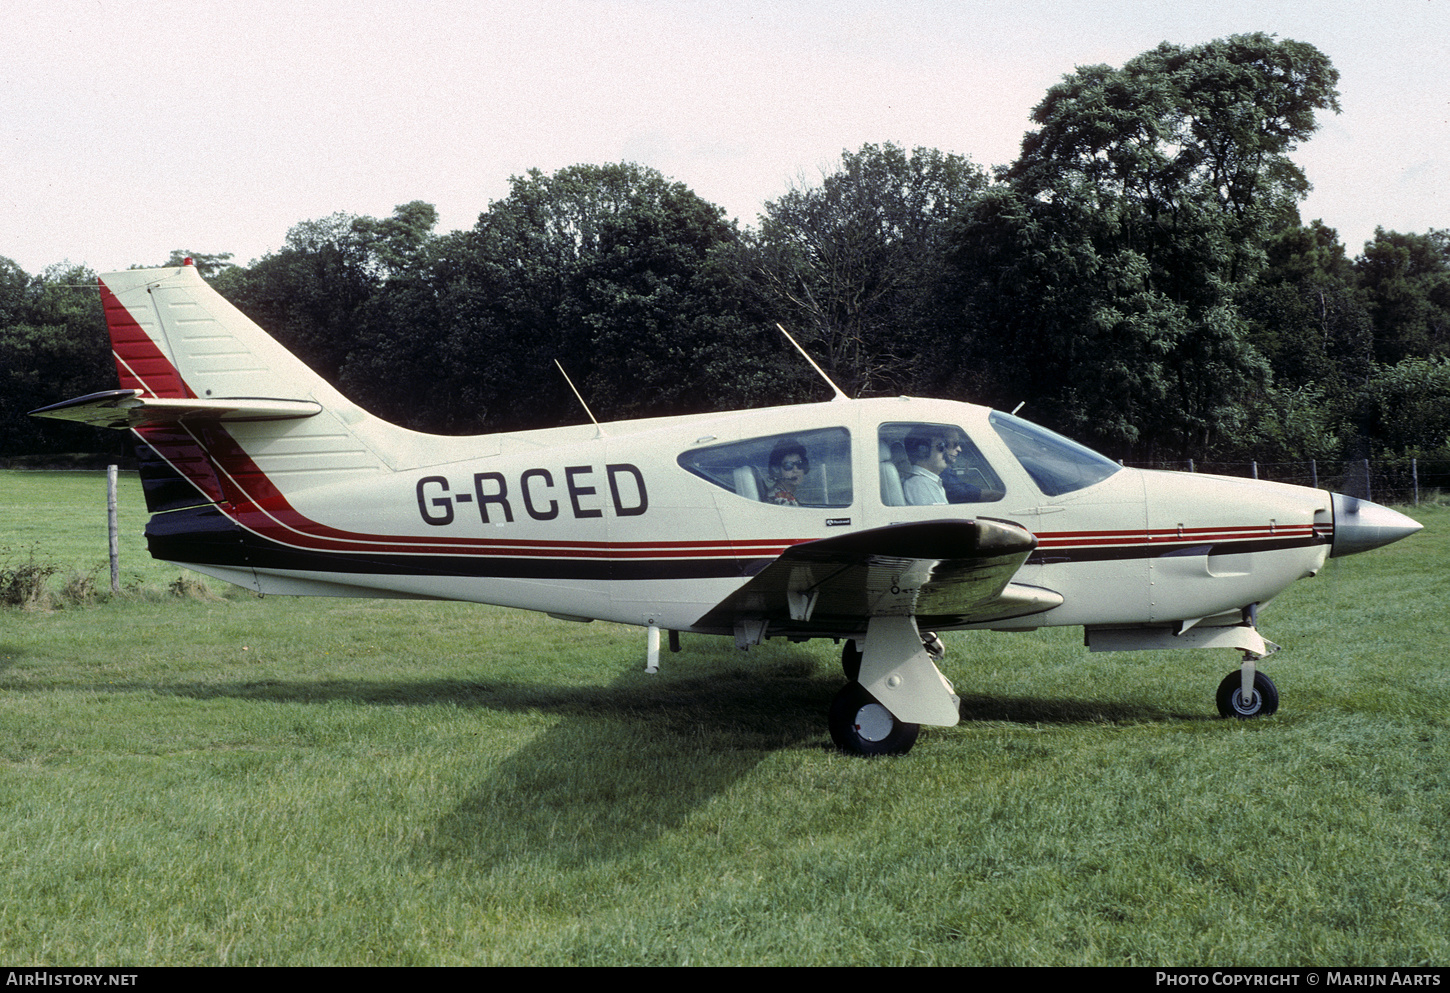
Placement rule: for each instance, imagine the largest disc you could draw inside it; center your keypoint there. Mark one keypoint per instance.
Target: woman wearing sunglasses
(788, 467)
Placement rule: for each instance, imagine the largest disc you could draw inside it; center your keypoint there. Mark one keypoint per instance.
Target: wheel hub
(1240, 707)
(874, 722)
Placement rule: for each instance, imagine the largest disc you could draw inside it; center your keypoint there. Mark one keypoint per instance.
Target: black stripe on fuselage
(205, 536)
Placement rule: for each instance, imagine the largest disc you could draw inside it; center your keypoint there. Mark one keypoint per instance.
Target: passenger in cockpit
(788, 467)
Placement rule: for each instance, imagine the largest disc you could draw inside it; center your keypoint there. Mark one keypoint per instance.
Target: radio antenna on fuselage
(599, 427)
(839, 395)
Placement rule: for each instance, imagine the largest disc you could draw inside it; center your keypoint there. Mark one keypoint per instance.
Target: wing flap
(123, 409)
(945, 573)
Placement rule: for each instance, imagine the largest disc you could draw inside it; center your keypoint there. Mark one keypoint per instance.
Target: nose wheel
(1262, 702)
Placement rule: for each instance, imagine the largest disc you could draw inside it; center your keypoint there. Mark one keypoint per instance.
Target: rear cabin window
(1056, 464)
(799, 469)
(924, 463)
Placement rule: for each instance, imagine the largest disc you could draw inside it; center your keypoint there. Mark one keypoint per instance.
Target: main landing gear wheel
(861, 726)
(1231, 701)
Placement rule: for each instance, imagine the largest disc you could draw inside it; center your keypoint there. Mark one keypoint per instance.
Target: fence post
(1255, 464)
(1314, 472)
(1415, 475)
(1190, 466)
(1368, 493)
(111, 528)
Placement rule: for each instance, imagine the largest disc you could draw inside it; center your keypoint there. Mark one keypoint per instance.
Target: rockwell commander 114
(876, 522)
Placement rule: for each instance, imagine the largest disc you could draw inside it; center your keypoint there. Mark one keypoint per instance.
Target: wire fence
(1402, 481)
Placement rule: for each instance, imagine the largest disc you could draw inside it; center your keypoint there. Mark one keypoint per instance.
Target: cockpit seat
(747, 483)
(891, 492)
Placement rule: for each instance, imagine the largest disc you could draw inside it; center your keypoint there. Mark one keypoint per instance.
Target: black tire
(1231, 702)
(851, 660)
(861, 726)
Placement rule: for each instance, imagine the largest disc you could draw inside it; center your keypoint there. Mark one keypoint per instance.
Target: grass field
(216, 778)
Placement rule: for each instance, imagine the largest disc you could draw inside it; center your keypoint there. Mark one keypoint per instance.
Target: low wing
(124, 409)
(945, 573)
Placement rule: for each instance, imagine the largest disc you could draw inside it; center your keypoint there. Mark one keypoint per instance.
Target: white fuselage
(606, 523)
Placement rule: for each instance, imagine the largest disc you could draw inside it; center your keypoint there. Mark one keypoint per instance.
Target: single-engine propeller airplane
(876, 522)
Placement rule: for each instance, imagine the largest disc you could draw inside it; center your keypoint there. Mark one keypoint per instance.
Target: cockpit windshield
(1056, 464)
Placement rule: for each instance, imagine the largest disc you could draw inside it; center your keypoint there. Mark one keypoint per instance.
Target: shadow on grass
(625, 767)
(612, 767)
(745, 709)
(1043, 710)
(627, 764)
(602, 769)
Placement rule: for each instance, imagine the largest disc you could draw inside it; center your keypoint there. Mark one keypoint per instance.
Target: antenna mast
(836, 389)
(599, 427)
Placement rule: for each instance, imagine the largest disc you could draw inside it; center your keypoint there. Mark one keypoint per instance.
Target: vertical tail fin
(175, 337)
(252, 463)
(176, 340)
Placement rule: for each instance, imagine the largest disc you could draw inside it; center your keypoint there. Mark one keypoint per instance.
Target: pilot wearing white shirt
(930, 455)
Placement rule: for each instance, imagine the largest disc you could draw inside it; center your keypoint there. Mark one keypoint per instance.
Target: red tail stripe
(139, 363)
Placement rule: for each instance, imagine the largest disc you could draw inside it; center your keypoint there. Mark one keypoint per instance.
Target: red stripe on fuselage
(1187, 536)
(248, 496)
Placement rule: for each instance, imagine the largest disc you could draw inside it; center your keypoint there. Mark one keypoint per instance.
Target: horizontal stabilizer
(123, 409)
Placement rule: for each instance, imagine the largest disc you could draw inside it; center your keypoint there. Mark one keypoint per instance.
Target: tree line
(1139, 278)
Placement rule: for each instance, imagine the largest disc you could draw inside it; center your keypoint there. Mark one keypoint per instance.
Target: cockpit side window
(1056, 464)
(800, 469)
(923, 463)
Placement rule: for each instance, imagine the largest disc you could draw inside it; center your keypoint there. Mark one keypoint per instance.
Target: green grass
(236, 780)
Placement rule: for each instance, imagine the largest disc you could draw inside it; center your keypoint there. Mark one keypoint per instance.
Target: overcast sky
(131, 128)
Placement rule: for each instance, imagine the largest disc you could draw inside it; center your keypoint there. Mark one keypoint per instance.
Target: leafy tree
(852, 266)
(600, 267)
(310, 293)
(53, 346)
(15, 285)
(1406, 278)
(394, 245)
(1288, 423)
(1185, 148)
(1405, 409)
(1305, 313)
(633, 300)
(1102, 270)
